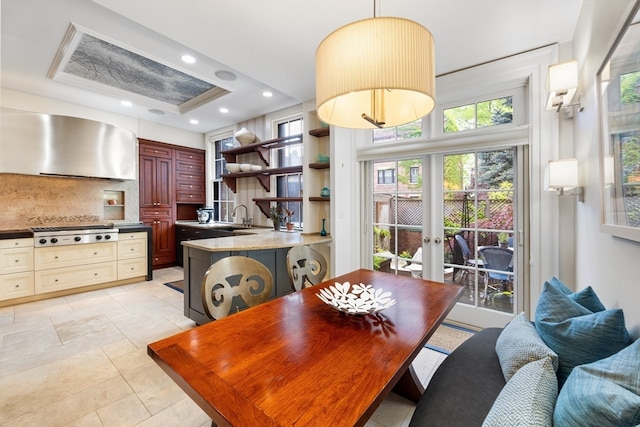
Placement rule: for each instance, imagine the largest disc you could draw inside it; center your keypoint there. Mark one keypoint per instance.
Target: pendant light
(375, 73)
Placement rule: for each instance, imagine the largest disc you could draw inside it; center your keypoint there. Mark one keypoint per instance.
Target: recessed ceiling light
(126, 103)
(225, 75)
(194, 121)
(224, 110)
(155, 111)
(267, 94)
(188, 59)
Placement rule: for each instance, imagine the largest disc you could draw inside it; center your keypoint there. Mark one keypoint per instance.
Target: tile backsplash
(31, 201)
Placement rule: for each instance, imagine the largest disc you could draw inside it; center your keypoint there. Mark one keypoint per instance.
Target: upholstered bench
(575, 366)
(464, 387)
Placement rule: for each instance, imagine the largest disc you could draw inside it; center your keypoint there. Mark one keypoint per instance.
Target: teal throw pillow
(576, 334)
(602, 393)
(519, 344)
(527, 399)
(585, 297)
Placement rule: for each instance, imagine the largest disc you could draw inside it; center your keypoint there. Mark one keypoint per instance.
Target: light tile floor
(81, 360)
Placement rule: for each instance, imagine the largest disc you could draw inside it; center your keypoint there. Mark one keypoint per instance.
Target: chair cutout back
(234, 276)
(307, 267)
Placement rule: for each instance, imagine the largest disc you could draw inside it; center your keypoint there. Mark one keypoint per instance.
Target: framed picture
(619, 106)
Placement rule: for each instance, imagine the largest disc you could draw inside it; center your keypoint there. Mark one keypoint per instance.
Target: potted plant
(289, 214)
(277, 215)
(503, 239)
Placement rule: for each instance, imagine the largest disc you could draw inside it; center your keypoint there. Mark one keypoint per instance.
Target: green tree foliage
(494, 168)
(630, 88)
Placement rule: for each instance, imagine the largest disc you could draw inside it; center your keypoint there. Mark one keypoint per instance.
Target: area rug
(178, 285)
(448, 337)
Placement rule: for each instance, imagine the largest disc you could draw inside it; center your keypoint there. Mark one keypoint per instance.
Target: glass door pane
(397, 216)
(478, 223)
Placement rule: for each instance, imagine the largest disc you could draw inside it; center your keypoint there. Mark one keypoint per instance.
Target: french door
(453, 218)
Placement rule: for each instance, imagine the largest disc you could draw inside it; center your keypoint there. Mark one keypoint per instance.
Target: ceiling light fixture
(126, 103)
(224, 110)
(377, 72)
(225, 75)
(188, 59)
(194, 121)
(267, 94)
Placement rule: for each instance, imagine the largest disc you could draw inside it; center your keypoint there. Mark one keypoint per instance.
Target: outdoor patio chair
(468, 261)
(499, 264)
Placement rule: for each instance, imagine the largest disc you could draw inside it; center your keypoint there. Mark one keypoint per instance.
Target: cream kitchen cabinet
(132, 255)
(68, 267)
(16, 268)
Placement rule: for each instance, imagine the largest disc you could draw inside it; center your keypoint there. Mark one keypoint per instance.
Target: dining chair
(499, 265)
(234, 276)
(307, 267)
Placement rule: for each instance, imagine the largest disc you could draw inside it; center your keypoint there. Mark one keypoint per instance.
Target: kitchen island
(263, 244)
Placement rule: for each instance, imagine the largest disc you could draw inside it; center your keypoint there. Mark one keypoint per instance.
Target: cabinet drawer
(67, 256)
(189, 156)
(190, 186)
(153, 213)
(132, 268)
(189, 176)
(132, 236)
(190, 197)
(190, 167)
(132, 248)
(16, 260)
(58, 279)
(16, 243)
(155, 151)
(16, 285)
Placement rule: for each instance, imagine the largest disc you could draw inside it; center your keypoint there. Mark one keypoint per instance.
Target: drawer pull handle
(17, 286)
(95, 253)
(55, 257)
(55, 280)
(17, 260)
(131, 249)
(95, 274)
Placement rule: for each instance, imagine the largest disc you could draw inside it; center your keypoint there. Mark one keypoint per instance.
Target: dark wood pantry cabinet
(172, 187)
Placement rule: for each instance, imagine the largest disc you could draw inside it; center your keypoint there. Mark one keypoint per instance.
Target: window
(289, 185)
(222, 195)
(386, 176)
(413, 175)
(407, 131)
(481, 114)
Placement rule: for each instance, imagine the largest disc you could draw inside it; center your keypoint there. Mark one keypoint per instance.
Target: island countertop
(257, 238)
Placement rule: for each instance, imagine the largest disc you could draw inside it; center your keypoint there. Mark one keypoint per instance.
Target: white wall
(609, 264)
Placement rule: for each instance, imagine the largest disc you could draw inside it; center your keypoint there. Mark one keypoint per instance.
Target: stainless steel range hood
(43, 144)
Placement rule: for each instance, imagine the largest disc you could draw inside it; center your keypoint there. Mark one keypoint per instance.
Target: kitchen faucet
(246, 222)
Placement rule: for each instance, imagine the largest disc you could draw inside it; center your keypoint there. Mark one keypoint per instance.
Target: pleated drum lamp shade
(377, 72)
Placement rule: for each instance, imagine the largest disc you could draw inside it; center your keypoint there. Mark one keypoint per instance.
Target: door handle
(426, 239)
(438, 240)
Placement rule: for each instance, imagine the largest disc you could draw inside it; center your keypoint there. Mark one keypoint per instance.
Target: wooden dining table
(298, 361)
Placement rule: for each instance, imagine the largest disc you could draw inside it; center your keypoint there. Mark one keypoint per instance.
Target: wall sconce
(562, 84)
(562, 176)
